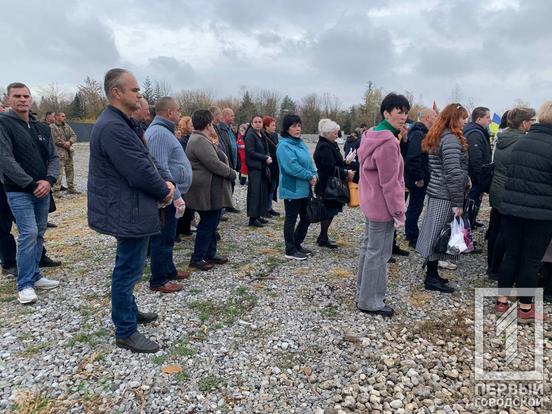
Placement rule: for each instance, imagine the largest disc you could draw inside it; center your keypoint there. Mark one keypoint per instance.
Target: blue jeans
(162, 265)
(31, 217)
(206, 240)
(271, 192)
(415, 207)
(129, 267)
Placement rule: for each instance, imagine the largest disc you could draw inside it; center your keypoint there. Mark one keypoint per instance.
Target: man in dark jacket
(29, 166)
(416, 173)
(126, 187)
(479, 151)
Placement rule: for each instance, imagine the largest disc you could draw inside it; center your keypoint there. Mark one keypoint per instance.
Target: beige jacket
(212, 178)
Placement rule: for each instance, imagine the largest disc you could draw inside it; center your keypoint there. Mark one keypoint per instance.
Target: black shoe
(273, 213)
(392, 260)
(243, 181)
(203, 265)
(232, 210)
(297, 255)
(146, 317)
(51, 225)
(387, 311)
(47, 262)
(478, 224)
(437, 284)
(255, 223)
(263, 220)
(397, 251)
(330, 244)
(304, 250)
(63, 188)
(9, 271)
(137, 342)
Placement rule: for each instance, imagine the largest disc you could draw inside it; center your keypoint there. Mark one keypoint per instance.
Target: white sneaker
(447, 265)
(27, 295)
(46, 284)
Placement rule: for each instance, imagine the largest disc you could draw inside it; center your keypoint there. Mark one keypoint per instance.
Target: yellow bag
(354, 200)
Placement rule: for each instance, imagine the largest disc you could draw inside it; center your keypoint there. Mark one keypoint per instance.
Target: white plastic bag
(456, 244)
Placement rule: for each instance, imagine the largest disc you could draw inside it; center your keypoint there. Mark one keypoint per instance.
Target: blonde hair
(544, 115)
(182, 127)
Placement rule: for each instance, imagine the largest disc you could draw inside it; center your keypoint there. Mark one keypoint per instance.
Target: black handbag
(470, 211)
(441, 245)
(336, 189)
(316, 211)
(52, 206)
(486, 177)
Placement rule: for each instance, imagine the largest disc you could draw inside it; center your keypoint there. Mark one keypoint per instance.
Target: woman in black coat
(269, 130)
(526, 208)
(258, 161)
(329, 162)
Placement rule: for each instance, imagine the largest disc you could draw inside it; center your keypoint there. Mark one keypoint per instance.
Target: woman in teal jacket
(297, 175)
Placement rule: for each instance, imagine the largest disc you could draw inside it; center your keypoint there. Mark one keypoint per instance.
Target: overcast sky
(496, 51)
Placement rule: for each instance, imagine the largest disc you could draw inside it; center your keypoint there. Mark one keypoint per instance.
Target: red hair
(267, 120)
(451, 118)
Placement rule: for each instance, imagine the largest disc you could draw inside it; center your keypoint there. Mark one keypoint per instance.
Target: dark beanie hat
(288, 121)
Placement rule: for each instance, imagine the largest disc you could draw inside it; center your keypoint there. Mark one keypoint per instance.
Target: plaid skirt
(438, 213)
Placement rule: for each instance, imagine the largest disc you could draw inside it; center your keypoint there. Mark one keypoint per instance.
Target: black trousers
(7, 241)
(183, 225)
(526, 242)
(294, 236)
(495, 242)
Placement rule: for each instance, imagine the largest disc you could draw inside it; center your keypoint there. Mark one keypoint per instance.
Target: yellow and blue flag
(495, 124)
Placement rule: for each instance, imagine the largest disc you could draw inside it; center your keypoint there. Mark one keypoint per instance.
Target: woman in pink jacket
(381, 188)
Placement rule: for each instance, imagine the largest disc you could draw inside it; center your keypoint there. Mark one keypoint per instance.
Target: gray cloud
(297, 47)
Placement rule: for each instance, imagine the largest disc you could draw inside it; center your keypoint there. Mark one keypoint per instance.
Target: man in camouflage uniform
(64, 138)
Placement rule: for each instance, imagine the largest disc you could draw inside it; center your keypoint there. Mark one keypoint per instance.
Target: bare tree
(456, 95)
(266, 101)
(53, 99)
(161, 88)
(191, 100)
(310, 110)
(92, 98)
(330, 105)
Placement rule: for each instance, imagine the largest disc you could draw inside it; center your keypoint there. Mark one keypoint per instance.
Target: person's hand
(468, 184)
(419, 183)
(404, 133)
(350, 156)
(397, 223)
(458, 211)
(168, 198)
(180, 206)
(350, 175)
(269, 160)
(313, 180)
(43, 188)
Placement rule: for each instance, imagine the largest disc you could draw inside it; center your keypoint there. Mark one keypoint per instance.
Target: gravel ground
(259, 335)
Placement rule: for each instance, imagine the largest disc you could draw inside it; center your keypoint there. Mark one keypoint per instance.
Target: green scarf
(384, 125)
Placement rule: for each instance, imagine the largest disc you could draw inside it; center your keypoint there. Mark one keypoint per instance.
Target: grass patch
(159, 359)
(225, 312)
(33, 350)
(194, 291)
(182, 376)
(329, 312)
(209, 383)
(446, 328)
(91, 338)
(182, 349)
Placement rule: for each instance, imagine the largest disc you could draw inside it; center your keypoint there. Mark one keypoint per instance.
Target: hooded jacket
(528, 189)
(449, 170)
(416, 161)
(506, 141)
(27, 153)
(381, 185)
(479, 150)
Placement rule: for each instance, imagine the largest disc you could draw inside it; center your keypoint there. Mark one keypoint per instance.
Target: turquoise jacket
(296, 168)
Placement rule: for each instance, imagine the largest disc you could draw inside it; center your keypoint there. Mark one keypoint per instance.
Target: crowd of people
(155, 175)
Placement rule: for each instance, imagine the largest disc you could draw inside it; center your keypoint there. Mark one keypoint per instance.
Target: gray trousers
(375, 252)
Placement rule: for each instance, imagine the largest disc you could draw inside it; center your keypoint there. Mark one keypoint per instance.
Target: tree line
(89, 101)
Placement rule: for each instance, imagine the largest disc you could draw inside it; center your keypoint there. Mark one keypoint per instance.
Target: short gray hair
(325, 126)
(112, 80)
(164, 104)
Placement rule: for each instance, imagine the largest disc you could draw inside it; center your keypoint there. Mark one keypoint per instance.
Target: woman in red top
(241, 153)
